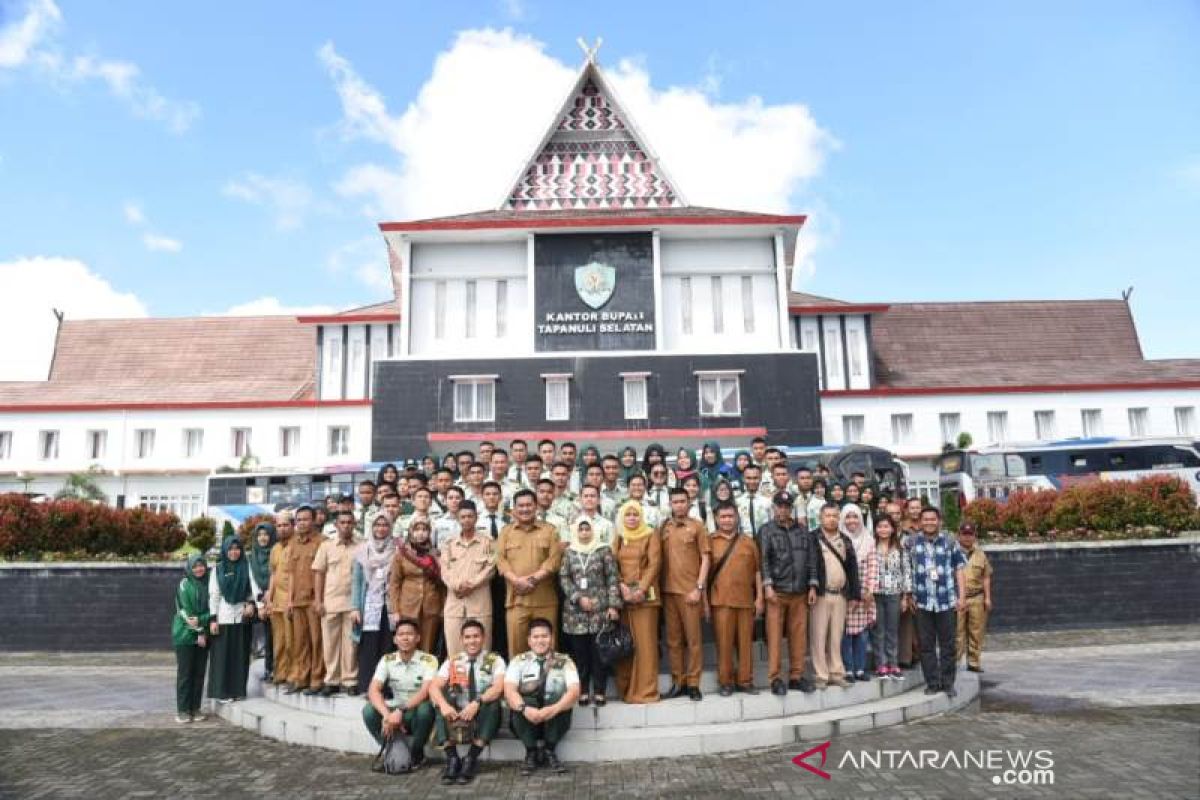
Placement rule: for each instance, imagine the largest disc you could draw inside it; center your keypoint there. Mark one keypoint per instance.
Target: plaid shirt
(934, 568)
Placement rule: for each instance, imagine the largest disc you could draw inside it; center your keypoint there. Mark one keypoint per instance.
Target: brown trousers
(789, 615)
(308, 667)
(454, 633)
(909, 651)
(972, 623)
(828, 625)
(637, 676)
(734, 628)
(518, 618)
(338, 650)
(684, 645)
(281, 645)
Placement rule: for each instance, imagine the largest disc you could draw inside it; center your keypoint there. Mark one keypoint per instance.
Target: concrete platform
(620, 732)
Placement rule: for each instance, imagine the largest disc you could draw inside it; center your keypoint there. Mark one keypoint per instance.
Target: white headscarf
(863, 541)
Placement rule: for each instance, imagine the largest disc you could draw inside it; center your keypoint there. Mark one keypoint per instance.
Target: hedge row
(1162, 502)
(29, 529)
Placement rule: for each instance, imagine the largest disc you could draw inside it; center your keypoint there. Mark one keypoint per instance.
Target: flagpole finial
(589, 52)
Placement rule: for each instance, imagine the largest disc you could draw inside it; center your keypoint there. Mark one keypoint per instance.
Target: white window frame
(722, 378)
(289, 444)
(48, 441)
(338, 440)
(97, 444)
(439, 309)
(472, 305)
(1091, 422)
(501, 308)
(1139, 421)
(1185, 421)
(1045, 425)
(143, 443)
(461, 382)
(633, 410)
(902, 429)
(853, 355)
(748, 303)
(5, 445)
(849, 422)
(997, 422)
(685, 305)
(554, 383)
(950, 426)
(190, 434)
(247, 447)
(718, 304)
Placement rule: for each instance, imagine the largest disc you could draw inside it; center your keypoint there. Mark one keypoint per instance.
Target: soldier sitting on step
(540, 688)
(466, 694)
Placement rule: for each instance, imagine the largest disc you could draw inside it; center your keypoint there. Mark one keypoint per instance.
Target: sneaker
(862, 677)
(585, 700)
(882, 674)
(225, 701)
(418, 761)
(182, 720)
(198, 717)
(778, 687)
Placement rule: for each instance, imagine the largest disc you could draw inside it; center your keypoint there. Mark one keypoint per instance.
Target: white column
(530, 292)
(781, 290)
(656, 258)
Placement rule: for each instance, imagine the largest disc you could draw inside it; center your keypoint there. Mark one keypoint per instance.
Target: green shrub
(202, 533)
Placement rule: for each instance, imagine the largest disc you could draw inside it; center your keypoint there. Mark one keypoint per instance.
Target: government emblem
(595, 283)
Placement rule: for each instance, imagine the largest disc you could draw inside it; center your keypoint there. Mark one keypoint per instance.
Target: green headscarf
(195, 589)
(260, 557)
(633, 469)
(191, 599)
(233, 576)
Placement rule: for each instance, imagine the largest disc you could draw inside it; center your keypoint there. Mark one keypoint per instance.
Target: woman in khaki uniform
(638, 549)
(415, 589)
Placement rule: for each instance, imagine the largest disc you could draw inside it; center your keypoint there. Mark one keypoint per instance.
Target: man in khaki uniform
(735, 598)
(304, 623)
(276, 607)
(972, 620)
(685, 558)
(468, 562)
(528, 558)
(837, 579)
(334, 568)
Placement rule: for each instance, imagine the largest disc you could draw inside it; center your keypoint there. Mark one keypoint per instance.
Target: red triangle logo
(823, 749)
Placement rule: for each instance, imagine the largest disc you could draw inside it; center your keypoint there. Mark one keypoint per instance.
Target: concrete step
(345, 732)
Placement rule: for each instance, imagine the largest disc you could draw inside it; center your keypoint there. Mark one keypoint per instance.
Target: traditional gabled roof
(592, 157)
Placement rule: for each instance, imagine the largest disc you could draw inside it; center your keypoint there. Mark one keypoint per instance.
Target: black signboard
(594, 291)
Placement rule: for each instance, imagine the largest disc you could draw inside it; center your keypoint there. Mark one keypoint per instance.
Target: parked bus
(235, 496)
(998, 471)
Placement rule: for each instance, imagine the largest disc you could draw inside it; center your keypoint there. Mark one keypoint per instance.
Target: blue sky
(951, 151)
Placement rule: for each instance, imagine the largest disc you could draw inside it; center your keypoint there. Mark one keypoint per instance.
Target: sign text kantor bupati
(594, 291)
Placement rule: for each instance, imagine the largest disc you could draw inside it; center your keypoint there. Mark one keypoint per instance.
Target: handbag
(614, 643)
(394, 756)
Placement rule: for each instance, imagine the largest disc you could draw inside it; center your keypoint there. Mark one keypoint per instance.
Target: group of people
(445, 590)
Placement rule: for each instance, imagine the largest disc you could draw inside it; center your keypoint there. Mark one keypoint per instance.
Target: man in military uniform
(653, 515)
(611, 489)
(533, 471)
(468, 562)
(972, 619)
(754, 509)
(545, 451)
(445, 527)
(566, 502)
(494, 506)
(407, 672)
(685, 559)
(368, 507)
(333, 569)
(528, 559)
(544, 493)
(277, 592)
(422, 509)
(804, 495)
(589, 509)
(466, 694)
(777, 481)
(498, 474)
(758, 452)
(789, 577)
(518, 450)
(304, 623)
(733, 600)
(540, 688)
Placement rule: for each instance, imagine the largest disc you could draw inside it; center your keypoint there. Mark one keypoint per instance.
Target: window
(833, 350)
(240, 442)
(143, 443)
(501, 309)
(852, 429)
(1139, 421)
(97, 442)
(439, 310)
(853, 342)
(1043, 424)
(289, 442)
(193, 442)
(685, 303)
(747, 304)
(339, 440)
(718, 301)
(636, 404)
(902, 428)
(558, 397)
(48, 445)
(951, 425)
(185, 506)
(5, 445)
(1093, 423)
(472, 308)
(997, 422)
(474, 399)
(810, 341)
(1185, 422)
(720, 395)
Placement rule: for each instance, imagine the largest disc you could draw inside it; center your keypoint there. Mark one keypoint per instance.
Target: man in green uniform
(408, 672)
(466, 693)
(540, 688)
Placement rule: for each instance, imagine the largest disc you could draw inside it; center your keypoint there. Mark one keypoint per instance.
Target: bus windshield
(987, 466)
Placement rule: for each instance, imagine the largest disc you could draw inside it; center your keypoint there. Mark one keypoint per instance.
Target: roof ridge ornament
(589, 52)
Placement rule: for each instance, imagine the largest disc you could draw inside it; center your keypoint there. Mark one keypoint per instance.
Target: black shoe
(530, 764)
(862, 677)
(778, 687)
(418, 761)
(675, 691)
(600, 701)
(975, 669)
(352, 691)
(951, 692)
(313, 692)
(470, 768)
(291, 688)
(932, 690)
(267, 677)
(453, 769)
(553, 764)
(802, 685)
(726, 691)
(693, 693)
(749, 688)
(585, 700)
(329, 690)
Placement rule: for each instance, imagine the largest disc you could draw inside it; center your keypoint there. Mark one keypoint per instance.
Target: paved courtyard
(1118, 711)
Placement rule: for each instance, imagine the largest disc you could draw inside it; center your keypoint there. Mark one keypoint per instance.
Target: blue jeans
(854, 652)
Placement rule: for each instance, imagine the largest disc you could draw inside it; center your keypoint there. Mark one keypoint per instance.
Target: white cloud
(460, 143)
(366, 261)
(31, 42)
(43, 283)
(157, 243)
(288, 200)
(270, 306)
(133, 214)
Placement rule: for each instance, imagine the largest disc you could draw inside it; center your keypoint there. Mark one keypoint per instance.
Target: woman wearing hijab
(260, 579)
(860, 611)
(388, 473)
(368, 591)
(232, 604)
(712, 467)
(188, 627)
(685, 465)
(428, 465)
(743, 459)
(629, 465)
(591, 590)
(837, 494)
(415, 588)
(655, 454)
(639, 558)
